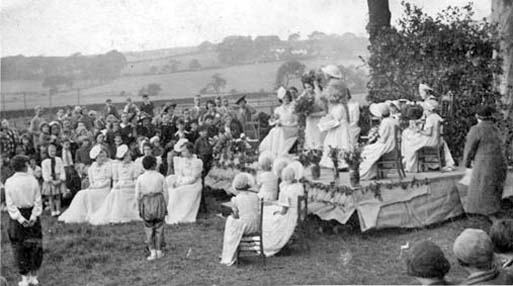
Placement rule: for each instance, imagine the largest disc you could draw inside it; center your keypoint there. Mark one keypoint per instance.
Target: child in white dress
(267, 181)
(54, 176)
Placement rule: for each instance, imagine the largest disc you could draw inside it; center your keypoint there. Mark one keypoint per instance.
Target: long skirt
(371, 154)
(233, 231)
(313, 136)
(84, 205)
(277, 229)
(27, 243)
(120, 206)
(279, 141)
(152, 210)
(184, 201)
(338, 137)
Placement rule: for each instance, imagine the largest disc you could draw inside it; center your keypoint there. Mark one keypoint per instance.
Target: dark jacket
(147, 108)
(82, 155)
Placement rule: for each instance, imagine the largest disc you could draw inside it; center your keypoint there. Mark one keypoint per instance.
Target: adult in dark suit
(147, 106)
(110, 109)
(483, 148)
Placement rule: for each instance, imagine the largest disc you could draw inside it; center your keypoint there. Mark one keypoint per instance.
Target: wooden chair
(301, 233)
(427, 156)
(252, 244)
(393, 160)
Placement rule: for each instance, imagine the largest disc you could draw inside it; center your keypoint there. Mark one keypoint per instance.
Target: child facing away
(54, 180)
(266, 180)
(151, 196)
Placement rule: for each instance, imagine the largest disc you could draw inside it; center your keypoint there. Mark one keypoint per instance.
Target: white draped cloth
(412, 141)
(87, 202)
(337, 134)
(184, 188)
(120, 205)
(372, 152)
(281, 138)
(247, 204)
(277, 229)
(354, 117)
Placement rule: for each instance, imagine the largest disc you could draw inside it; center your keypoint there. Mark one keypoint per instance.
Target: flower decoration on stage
(310, 157)
(353, 157)
(334, 154)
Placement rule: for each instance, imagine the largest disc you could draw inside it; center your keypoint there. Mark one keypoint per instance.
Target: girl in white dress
(336, 123)
(313, 136)
(120, 205)
(284, 133)
(414, 139)
(184, 186)
(244, 219)
(280, 219)
(385, 143)
(267, 181)
(88, 201)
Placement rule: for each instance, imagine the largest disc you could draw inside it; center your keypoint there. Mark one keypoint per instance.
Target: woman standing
(282, 137)
(313, 136)
(483, 152)
(336, 123)
(120, 205)
(184, 186)
(88, 201)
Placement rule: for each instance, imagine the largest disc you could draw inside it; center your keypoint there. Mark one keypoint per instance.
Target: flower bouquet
(312, 157)
(353, 159)
(334, 154)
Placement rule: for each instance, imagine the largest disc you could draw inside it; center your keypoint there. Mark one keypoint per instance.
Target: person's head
(128, 100)
(265, 161)
(485, 112)
(81, 125)
(147, 149)
(293, 92)
(19, 163)
(124, 118)
(122, 153)
(180, 124)
(284, 96)
(194, 125)
(118, 140)
(92, 114)
(55, 128)
(279, 164)
(86, 142)
(66, 143)
(186, 113)
(187, 150)
(426, 260)
(226, 102)
(99, 138)
(146, 98)
(32, 162)
(218, 101)
(149, 162)
(52, 151)
(209, 119)
(203, 131)
(38, 110)
(44, 127)
(197, 100)
(66, 123)
(501, 234)
(170, 108)
(473, 249)
(108, 102)
(243, 182)
(5, 124)
(288, 174)
(60, 113)
(241, 102)
(146, 121)
(25, 139)
(336, 91)
(308, 86)
(210, 104)
(102, 156)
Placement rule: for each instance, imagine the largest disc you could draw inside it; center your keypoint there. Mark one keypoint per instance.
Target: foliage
(450, 52)
(355, 78)
(194, 64)
(310, 157)
(287, 71)
(352, 157)
(152, 89)
(53, 82)
(304, 106)
(216, 84)
(235, 49)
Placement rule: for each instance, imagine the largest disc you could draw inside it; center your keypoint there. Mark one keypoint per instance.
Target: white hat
(298, 168)
(121, 151)
(378, 109)
(423, 88)
(154, 139)
(281, 93)
(178, 146)
(95, 151)
(332, 70)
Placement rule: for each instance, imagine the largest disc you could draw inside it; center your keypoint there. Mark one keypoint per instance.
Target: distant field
(244, 78)
(206, 59)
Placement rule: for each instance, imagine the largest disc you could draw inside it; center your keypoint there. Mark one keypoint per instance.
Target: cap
(426, 260)
(474, 247)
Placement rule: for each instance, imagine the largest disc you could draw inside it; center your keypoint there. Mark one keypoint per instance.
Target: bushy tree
(194, 64)
(287, 71)
(449, 52)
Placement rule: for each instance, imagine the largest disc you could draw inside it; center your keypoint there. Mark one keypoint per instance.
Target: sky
(64, 27)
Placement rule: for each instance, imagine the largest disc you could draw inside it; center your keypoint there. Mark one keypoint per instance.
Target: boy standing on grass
(203, 149)
(24, 205)
(151, 195)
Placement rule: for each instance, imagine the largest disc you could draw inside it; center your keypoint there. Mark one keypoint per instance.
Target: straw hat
(95, 151)
(121, 151)
(332, 70)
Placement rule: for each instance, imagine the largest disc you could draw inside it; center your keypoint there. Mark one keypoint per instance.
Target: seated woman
(267, 181)
(184, 186)
(280, 219)
(244, 219)
(120, 205)
(88, 201)
(414, 139)
(282, 137)
(384, 144)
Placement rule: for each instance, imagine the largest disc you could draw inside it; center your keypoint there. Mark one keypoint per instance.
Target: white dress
(277, 229)
(372, 152)
(337, 128)
(87, 202)
(120, 205)
(248, 205)
(354, 117)
(184, 200)
(413, 141)
(281, 138)
(268, 186)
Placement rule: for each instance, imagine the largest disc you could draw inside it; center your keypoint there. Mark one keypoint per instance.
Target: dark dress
(483, 147)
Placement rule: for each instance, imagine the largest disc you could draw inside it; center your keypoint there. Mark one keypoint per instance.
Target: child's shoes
(153, 255)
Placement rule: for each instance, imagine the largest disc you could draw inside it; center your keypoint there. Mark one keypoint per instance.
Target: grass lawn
(114, 255)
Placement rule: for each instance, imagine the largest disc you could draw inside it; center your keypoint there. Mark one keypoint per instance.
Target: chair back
(253, 242)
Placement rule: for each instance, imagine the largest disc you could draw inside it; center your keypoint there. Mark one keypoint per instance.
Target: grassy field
(244, 78)
(114, 255)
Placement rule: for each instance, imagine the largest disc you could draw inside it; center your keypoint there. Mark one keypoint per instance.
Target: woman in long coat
(483, 147)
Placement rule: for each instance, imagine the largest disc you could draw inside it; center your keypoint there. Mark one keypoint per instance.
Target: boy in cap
(473, 249)
(427, 263)
(24, 205)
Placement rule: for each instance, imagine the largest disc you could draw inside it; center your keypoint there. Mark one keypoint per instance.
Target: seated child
(267, 181)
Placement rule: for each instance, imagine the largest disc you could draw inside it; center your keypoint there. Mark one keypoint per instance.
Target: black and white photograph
(243, 142)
